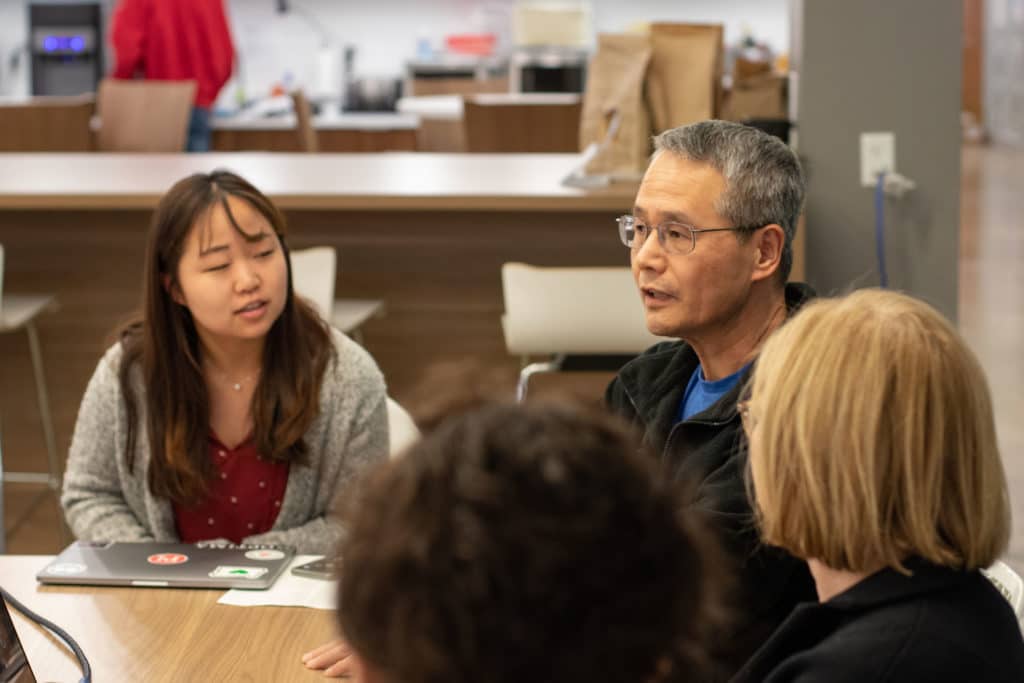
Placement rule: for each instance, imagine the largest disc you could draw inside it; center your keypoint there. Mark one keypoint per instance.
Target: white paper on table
(288, 591)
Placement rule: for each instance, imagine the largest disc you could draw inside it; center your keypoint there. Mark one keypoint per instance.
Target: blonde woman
(873, 456)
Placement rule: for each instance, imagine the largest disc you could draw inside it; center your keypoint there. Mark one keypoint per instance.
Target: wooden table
(154, 634)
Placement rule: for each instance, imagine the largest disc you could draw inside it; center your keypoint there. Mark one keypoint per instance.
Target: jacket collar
(655, 381)
(888, 585)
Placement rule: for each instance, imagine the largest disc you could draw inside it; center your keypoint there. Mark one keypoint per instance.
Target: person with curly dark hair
(526, 542)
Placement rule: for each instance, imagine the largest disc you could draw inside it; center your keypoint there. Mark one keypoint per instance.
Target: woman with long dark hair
(229, 410)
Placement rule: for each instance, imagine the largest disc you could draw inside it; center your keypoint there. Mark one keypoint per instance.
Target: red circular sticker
(167, 558)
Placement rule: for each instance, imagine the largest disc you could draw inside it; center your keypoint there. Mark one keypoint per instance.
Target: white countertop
(44, 100)
(324, 121)
(446, 107)
(449, 107)
(330, 119)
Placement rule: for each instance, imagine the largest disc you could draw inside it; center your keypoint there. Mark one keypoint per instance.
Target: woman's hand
(335, 658)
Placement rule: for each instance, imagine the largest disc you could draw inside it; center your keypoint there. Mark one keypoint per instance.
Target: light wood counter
(154, 634)
(383, 181)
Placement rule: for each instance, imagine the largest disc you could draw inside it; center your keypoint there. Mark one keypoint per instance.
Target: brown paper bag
(762, 97)
(614, 115)
(743, 68)
(685, 74)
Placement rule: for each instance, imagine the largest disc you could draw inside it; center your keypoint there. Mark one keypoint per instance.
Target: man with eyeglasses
(710, 240)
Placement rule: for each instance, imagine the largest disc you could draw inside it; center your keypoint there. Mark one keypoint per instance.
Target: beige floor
(992, 300)
(991, 317)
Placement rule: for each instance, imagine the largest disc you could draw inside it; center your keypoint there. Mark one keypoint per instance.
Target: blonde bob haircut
(872, 439)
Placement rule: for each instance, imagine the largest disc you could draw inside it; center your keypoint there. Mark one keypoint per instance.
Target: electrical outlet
(877, 155)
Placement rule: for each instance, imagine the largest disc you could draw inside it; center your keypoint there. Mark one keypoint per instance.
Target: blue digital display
(64, 43)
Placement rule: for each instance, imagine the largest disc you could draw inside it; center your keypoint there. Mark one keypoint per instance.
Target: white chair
(19, 312)
(313, 276)
(402, 431)
(587, 318)
(1010, 585)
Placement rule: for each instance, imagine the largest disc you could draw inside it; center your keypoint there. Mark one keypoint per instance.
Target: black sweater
(936, 626)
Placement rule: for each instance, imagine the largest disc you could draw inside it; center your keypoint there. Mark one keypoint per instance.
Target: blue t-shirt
(701, 394)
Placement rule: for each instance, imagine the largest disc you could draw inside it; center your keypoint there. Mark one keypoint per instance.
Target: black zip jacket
(708, 452)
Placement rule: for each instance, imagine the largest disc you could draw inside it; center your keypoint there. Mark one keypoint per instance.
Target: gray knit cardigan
(103, 501)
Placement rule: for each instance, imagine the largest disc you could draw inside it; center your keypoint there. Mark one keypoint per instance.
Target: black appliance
(66, 47)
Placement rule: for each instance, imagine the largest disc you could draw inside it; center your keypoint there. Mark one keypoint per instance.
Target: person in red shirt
(176, 40)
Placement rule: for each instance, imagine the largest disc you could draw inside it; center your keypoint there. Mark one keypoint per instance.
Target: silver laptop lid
(174, 565)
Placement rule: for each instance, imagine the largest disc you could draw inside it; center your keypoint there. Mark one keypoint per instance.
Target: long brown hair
(165, 346)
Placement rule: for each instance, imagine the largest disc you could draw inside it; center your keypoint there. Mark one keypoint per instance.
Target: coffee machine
(65, 46)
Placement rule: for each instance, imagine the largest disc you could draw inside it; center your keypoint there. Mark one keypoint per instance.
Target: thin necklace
(769, 327)
(235, 384)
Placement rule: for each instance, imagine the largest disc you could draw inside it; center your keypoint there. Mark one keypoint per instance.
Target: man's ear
(768, 244)
(172, 289)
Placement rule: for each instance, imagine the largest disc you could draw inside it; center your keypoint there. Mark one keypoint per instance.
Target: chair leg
(46, 417)
(533, 369)
(3, 528)
(44, 406)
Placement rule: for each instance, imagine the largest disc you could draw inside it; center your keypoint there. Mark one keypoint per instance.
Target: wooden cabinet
(336, 140)
(47, 124)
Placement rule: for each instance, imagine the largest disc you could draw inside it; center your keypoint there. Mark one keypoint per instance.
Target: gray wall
(881, 65)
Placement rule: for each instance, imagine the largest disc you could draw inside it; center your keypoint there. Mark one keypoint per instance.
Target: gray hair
(764, 182)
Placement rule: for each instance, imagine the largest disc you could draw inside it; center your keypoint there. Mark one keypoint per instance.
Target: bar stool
(19, 312)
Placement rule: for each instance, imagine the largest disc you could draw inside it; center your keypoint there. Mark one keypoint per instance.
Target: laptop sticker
(66, 568)
(227, 572)
(167, 558)
(267, 555)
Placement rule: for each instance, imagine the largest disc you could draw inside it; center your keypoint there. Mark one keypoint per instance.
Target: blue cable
(56, 630)
(883, 272)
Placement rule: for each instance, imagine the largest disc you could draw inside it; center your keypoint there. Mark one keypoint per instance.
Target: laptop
(14, 666)
(173, 565)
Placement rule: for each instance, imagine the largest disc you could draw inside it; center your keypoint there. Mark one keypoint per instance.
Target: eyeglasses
(675, 238)
(746, 417)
